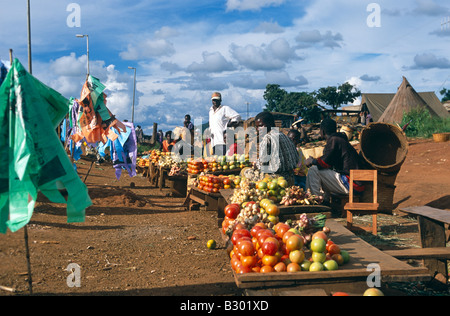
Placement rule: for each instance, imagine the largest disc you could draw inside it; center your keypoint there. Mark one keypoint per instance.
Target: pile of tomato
(265, 250)
(212, 183)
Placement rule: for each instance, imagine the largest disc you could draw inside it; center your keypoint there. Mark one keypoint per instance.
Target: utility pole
(445, 24)
(134, 94)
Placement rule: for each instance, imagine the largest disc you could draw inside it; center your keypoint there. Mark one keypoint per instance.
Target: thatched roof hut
(403, 102)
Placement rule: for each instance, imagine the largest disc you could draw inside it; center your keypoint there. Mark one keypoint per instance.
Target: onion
(326, 230)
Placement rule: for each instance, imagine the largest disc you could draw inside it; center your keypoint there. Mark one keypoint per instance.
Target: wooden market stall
(366, 263)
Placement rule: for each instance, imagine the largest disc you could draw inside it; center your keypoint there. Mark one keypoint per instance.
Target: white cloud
(251, 5)
(275, 56)
(148, 48)
(212, 63)
(430, 8)
(269, 28)
(314, 37)
(429, 60)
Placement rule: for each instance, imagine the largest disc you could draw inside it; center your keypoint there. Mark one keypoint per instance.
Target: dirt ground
(137, 240)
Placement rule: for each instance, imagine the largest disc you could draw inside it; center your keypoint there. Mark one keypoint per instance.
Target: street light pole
(87, 51)
(134, 94)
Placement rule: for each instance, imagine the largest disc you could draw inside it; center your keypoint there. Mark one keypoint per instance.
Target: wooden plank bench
(433, 234)
(439, 253)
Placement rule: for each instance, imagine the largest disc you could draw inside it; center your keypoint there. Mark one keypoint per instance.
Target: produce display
(178, 169)
(297, 196)
(143, 162)
(213, 184)
(282, 249)
(218, 163)
(166, 161)
(275, 189)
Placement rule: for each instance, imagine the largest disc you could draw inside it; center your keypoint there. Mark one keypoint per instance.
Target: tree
(336, 96)
(274, 96)
(446, 94)
(303, 104)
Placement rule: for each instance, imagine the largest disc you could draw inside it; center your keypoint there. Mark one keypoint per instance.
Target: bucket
(384, 147)
(441, 137)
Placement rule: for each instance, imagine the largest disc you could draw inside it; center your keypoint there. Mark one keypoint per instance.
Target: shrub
(423, 125)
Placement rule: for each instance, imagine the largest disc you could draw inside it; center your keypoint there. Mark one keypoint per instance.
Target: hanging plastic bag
(31, 153)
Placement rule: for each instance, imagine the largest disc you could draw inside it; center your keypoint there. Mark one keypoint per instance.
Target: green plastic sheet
(32, 157)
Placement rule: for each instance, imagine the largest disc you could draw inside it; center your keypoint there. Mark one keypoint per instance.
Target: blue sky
(184, 50)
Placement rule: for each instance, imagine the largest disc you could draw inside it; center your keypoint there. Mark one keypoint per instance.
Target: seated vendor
(301, 170)
(168, 142)
(329, 174)
(277, 154)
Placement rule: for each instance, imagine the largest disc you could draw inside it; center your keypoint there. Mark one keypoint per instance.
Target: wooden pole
(27, 252)
(30, 69)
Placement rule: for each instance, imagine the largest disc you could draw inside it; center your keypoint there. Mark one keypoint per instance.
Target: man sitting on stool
(330, 174)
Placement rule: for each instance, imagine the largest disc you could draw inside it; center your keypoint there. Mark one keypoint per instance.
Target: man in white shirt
(220, 117)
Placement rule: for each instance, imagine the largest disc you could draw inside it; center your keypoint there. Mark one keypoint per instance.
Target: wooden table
(178, 185)
(352, 277)
(433, 238)
(210, 202)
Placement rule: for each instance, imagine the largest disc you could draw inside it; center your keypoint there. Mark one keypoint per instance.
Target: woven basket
(441, 137)
(384, 147)
(386, 189)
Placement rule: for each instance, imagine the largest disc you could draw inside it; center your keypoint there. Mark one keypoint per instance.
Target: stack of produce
(166, 161)
(297, 196)
(218, 164)
(155, 156)
(178, 169)
(283, 249)
(248, 214)
(143, 162)
(196, 166)
(213, 184)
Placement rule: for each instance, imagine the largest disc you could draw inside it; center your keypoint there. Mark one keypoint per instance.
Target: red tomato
(246, 248)
(249, 261)
(255, 230)
(232, 210)
(266, 269)
(280, 267)
(270, 260)
(270, 246)
(334, 249)
(282, 229)
(238, 233)
(329, 243)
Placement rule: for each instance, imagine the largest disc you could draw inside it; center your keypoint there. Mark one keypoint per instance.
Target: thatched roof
(403, 102)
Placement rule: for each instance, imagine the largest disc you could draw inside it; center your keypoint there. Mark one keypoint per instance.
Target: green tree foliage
(303, 104)
(336, 96)
(446, 95)
(274, 96)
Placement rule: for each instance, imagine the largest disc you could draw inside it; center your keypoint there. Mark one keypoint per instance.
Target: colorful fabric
(32, 153)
